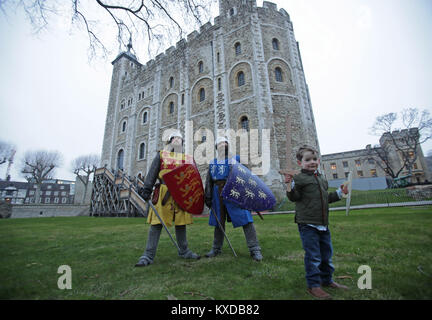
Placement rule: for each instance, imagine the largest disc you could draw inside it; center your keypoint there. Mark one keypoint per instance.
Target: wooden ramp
(114, 195)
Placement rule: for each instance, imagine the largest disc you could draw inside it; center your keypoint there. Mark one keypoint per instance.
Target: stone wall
(5, 210)
(39, 211)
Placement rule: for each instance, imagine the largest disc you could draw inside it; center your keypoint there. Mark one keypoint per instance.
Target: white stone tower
(245, 71)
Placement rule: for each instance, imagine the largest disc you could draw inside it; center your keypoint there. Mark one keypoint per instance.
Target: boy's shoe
(190, 255)
(256, 255)
(336, 286)
(319, 293)
(143, 262)
(213, 253)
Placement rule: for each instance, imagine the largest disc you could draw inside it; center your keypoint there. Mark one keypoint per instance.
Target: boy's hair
(303, 149)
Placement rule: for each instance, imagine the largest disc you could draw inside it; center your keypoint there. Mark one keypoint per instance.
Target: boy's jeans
(318, 253)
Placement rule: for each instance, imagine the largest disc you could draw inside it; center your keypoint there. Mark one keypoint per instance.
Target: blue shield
(247, 191)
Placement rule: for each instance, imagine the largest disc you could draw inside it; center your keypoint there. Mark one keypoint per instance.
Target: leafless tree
(83, 167)
(38, 166)
(6, 150)
(381, 156)
(7, 153)
(152, 22)
(400, 142)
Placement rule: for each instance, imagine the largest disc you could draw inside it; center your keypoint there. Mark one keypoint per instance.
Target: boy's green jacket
(311, 198)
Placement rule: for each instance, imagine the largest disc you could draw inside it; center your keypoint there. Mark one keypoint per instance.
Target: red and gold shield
(185, 185)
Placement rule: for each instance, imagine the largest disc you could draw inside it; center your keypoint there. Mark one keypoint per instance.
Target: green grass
(395, 242)
(360, 197)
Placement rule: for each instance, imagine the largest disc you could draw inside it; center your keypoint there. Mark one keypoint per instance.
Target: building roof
(344, 154)
(29, 185)
(19, 185)
(128, 55)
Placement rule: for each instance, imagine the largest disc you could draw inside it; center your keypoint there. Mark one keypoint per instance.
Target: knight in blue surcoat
(217, 175)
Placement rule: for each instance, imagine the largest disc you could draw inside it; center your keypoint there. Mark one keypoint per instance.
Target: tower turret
(232, 7)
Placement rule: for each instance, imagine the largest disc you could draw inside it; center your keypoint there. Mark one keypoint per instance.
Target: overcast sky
(362, 59)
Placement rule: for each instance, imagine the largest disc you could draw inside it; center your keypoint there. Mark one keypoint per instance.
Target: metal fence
(359, 198)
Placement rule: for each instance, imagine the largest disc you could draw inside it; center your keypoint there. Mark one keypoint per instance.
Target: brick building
(52, 192)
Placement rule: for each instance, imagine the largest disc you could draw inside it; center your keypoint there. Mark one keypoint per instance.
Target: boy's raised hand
(289, 175)
(344, 188)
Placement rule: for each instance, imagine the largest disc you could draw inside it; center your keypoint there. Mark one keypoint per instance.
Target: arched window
(275, 44)
(145, 117)
(120, 158)
(201, 94)
(237, 48)
(182, 99)
(171, 107)
(124, 126)
(142, 148)
(278, 74)
(240, 79)
(171, 82)
(244, 123)
(200, 67)
(219, 84)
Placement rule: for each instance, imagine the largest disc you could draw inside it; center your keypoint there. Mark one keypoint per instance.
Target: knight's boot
(217, 243)
(184, 252)
(152, 243)
(252, 242)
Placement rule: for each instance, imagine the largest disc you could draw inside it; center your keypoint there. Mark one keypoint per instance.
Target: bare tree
(152, 22)
(83, 167)
(381, 156)
(6, 150)
(399, 146)
(7, 153)
(38, 166)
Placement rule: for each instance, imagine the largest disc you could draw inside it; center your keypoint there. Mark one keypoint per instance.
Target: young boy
(308, 190)
(217, 176)
(166, 160)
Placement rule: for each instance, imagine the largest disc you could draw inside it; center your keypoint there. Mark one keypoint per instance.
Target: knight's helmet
(174, 134)
(220, 139)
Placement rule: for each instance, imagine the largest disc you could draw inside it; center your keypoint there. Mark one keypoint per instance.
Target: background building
(428, 160)
(366, 174)
(366, 169)
(52, 192)
(245, 71)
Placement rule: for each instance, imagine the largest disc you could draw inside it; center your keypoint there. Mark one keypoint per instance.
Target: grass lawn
(395, 242)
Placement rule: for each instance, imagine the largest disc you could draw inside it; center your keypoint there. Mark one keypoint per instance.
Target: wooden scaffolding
(115, 195)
